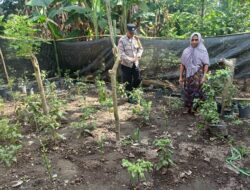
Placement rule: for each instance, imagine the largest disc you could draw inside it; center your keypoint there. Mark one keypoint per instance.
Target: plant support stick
(4, 66)
(113, 72)
(40, 84)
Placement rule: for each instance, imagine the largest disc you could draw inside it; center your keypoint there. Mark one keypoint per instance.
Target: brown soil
(78, 164)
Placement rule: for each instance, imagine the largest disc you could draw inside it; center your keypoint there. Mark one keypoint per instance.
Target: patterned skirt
(193, 89)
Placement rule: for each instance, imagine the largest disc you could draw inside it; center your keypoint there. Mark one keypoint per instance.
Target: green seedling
(9, 132)
(46, 160)
(143, 110)
(8, 154)
(165, 153)
(137, 169)
(101, 143)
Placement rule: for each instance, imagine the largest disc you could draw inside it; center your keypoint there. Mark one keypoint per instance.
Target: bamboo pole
(4, 66)
(40, 84)
(113, 72)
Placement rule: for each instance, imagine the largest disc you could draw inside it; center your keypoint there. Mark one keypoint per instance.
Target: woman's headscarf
(194, 58)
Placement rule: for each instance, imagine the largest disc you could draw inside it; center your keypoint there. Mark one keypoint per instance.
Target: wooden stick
(40, 84)
(229, 64)
(113, 72)
(4, 66)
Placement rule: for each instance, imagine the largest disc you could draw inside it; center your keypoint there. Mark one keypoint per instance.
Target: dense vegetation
(167, 18)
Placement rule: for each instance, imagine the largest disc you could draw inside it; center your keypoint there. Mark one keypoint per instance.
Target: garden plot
(75, 146)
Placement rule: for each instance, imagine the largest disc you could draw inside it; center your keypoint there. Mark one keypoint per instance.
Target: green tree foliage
(168, 18)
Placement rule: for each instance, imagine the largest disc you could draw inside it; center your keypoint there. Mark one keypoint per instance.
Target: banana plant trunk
(40, 83)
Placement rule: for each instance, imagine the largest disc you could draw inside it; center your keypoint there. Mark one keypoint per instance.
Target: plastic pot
(244, 111)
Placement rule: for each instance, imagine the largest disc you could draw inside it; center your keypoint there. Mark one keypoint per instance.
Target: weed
(9, 132)
(101, 143)
(46, 160)
(8, 154)
(174, 103)
(200, 126)
(165, 152)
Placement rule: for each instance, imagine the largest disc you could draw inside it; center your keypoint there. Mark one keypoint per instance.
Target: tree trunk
(202, 14)
(40, 83)
(95, 17)
(4, 66)
(57, 59)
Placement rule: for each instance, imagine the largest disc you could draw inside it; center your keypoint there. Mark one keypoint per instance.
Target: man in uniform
(130, 51)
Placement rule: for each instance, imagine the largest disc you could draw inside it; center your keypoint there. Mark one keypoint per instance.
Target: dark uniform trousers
(131, 77)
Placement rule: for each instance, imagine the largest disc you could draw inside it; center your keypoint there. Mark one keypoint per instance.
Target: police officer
(130, 51)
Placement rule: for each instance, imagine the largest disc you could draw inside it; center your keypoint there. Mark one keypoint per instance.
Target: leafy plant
(102, 92)
(208, 108)
(137, 169)
(83, 125)
(233, 119)
(29, 111)
(8, 154)
(26, 45)
(9, 132)
(143, 110)
(137, 95)
(200, 126)
(68, 81)
(165, 152)
(121, 91)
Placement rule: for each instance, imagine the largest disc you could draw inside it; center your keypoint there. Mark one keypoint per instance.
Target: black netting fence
(160, 58)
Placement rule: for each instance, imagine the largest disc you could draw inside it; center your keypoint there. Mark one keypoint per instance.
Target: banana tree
(26, 45)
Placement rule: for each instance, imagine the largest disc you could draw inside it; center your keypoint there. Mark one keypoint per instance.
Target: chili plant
(137, 169)
(165, 153)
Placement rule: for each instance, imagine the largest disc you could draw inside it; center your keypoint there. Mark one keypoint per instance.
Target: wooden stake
(230, 63)
(4, 66)
(40, 83)
(113, 72)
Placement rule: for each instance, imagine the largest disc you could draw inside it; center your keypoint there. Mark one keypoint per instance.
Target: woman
(194, 66)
